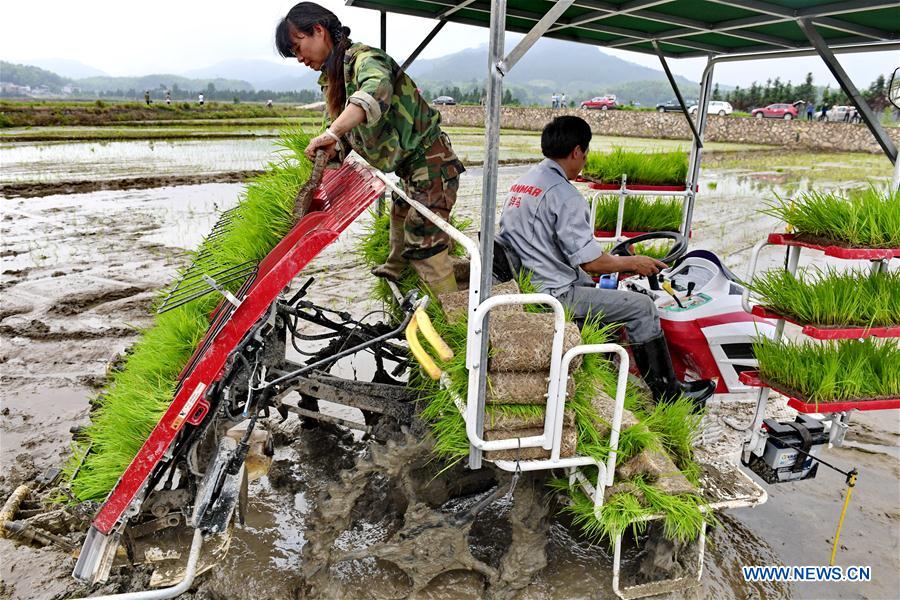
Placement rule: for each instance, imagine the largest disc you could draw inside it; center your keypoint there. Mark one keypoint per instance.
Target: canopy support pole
(415, 53)
(815, 38)
(489, 197)
(697, 146)
(671, 78)
(384, 30)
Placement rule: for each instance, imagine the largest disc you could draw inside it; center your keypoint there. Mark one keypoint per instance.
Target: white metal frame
(623, 192)
(473, 406)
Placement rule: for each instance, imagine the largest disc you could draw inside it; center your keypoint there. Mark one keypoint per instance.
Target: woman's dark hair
(562, 134)
(303, 17)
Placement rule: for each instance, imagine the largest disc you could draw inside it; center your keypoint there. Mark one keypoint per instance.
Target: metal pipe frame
(415, 53)
(697, 147)
(476, 337)
(684, 109)
(170, 592)
(815, 38)
(384, 31)
(489, 195)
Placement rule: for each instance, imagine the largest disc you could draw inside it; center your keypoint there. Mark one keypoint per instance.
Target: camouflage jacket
(399, 125)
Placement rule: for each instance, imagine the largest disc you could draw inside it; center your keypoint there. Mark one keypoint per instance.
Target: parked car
(714, 107)
(776, 111)
(842, 113)
(600, 103)
(445, 100)
(672, 105)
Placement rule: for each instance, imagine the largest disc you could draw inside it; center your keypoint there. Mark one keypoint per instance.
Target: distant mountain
(159, 81)
(66, 67)
(30, 76)
(579, 70)
(263, 74)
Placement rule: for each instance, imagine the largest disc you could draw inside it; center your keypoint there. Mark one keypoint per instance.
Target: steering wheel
(679, 249)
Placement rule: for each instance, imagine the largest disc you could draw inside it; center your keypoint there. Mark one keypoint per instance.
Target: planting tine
(306, 193)
(193, 286)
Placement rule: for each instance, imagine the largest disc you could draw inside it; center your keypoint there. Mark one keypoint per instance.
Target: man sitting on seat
(546, 223)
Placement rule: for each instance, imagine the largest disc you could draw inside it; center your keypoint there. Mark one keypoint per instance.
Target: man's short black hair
(562, 134)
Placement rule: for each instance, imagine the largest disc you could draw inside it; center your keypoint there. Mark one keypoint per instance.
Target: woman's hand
(324, 142)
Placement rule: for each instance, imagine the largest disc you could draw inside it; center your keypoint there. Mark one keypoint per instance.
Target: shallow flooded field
(80, 271)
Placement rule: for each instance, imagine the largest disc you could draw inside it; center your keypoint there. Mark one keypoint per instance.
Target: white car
(715, 107)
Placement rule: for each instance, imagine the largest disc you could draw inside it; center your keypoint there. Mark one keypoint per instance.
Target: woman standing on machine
(376, 110)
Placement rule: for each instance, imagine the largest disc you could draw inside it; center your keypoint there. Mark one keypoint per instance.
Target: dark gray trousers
(635, 311)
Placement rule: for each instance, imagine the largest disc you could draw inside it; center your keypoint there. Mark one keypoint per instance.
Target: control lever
(667, 286)
(690, 288)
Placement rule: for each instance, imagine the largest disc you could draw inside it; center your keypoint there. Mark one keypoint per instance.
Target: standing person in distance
(377, 110)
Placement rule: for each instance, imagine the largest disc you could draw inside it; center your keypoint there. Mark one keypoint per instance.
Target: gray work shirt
(547, 223)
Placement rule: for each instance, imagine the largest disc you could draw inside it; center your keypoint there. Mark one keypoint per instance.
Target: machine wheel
(759, 115)
(661, 109)
(721, 113)
(788, 117)
(604, 107)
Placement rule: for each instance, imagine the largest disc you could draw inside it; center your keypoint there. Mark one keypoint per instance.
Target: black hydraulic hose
(275, 384)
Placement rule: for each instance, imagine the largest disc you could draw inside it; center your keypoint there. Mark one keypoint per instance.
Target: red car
(600, 103)
(776, 111)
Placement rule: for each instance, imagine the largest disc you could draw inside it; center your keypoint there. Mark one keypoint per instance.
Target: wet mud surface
(335, 517)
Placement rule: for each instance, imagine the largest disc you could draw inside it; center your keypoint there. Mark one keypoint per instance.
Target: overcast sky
(172, 36)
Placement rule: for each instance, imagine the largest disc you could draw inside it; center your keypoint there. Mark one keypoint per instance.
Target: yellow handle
(432, 337)
(420, 321)
(668, 287)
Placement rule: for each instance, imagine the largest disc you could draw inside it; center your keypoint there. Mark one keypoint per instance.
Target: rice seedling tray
(609, 233)
(802, 404)
(637, 187)
(834, 249)
(830, 333)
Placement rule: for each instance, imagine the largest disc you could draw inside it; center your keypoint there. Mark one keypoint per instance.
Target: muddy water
(78, 275)
(55, 161)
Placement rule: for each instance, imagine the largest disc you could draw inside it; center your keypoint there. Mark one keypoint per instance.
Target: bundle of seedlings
(639, 214)
(835, 371)
(830, 298)
(867, 218)
(138, 393)
(659, 474)
(654, 168)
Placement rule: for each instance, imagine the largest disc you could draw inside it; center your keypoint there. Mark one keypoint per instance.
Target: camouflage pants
(432, 178)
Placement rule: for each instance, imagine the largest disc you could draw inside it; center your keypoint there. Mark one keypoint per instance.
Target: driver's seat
(506, 265)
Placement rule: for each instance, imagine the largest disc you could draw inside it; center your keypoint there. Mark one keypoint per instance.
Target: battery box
(781, 462)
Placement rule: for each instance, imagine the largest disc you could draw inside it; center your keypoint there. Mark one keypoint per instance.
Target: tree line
(211, 93)
(775, 91)
(475, 95)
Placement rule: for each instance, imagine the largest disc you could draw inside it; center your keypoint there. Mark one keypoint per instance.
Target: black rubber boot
(655, 364)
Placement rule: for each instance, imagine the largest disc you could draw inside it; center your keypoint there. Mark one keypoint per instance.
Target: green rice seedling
(639, 214)
(136, 396)
(832, 371)
(653, 168)
(831, 298)
(867, 218)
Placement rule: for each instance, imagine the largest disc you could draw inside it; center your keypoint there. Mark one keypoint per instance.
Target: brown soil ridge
(37, 190)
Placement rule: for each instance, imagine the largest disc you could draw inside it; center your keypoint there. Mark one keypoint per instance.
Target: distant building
(11, 89)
